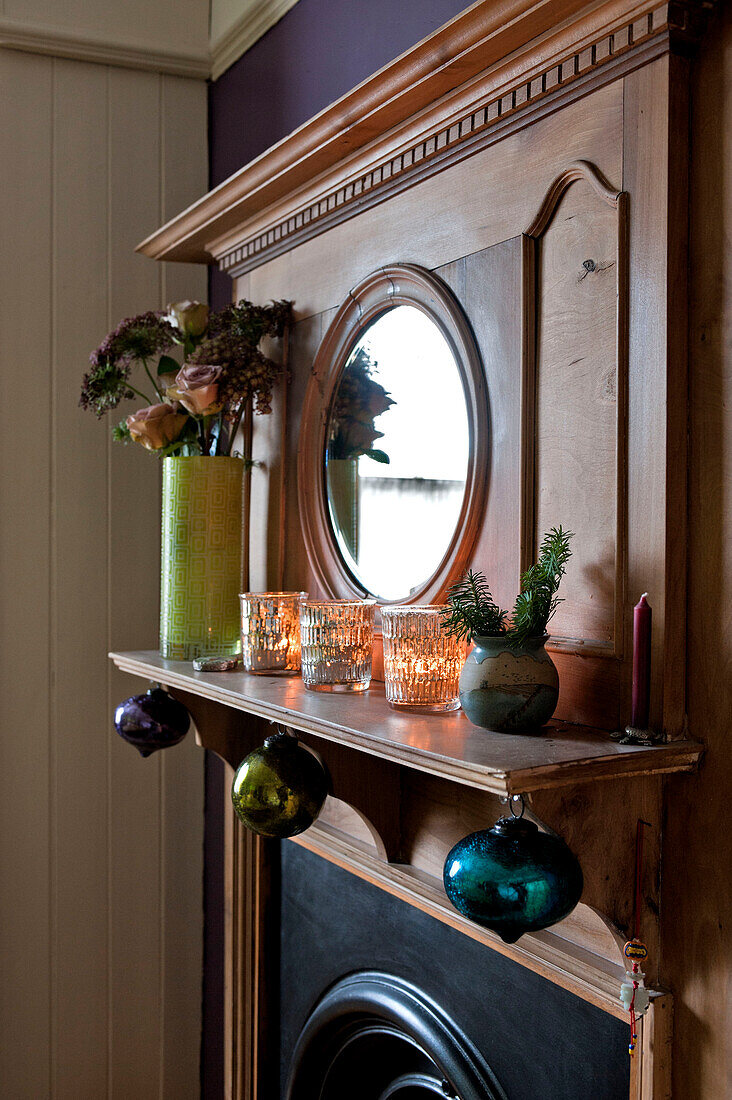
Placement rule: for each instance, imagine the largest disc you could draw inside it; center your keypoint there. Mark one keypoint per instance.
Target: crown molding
(48, 40)
(486, 71)
(256, 19)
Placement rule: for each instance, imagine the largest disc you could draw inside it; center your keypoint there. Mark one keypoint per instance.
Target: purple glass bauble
(152, 721)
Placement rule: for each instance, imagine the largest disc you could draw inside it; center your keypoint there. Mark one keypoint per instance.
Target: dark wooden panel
(577, 406)
(488, 284)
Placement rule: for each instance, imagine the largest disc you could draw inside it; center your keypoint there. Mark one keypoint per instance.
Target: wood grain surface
(446, 745)
(696, 914)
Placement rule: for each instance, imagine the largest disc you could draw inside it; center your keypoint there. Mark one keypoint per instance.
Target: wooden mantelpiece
(430, 780)
(441, 745)
(532, 155)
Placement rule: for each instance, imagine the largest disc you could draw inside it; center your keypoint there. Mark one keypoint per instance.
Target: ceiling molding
(48, 40)
(495, 62)
(256, 19)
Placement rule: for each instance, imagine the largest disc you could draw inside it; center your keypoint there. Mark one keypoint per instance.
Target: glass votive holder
(270, 632)
(337, 644)
(421, 662)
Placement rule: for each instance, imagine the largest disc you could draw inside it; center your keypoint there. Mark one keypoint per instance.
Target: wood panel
(696, 912)
(488, 284)
(576, 409)
(100, 987)
(657, 399)
(135, 809)
(80, 797)
(251, 951)
(183, 113)
(142, 986)
(268, 545)
(26, 699)
(304, 342)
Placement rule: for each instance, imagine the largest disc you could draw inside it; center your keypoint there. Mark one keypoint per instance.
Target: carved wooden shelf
(443, 745)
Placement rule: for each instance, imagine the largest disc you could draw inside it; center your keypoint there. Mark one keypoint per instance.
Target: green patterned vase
(201, 570)
(343, 492)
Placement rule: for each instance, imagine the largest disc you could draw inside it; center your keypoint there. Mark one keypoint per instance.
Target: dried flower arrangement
(196, 406)
(359, 399)
(472, 612)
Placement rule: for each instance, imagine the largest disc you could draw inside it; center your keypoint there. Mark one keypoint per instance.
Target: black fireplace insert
(373, 1036)
(379, 1000)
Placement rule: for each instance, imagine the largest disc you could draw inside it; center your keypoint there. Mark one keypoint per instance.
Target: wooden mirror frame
(383, 289)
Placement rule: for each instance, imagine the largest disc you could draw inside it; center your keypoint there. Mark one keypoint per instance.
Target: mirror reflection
(397, 453)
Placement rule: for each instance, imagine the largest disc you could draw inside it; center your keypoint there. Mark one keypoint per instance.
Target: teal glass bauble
(280, 788)
(513, 878)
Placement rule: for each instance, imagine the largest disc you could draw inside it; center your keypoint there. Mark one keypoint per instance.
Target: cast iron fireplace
(380, 1001)
(373, 1036)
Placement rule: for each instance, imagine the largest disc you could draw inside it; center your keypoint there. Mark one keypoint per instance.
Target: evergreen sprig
(472, 610)
(537, 601)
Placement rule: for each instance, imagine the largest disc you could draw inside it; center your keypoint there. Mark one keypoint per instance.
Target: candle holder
(632, 735)
(337, 643)
(421, 663)
(270, 632)
(638, 732)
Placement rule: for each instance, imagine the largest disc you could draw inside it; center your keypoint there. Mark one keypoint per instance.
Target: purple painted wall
(319, 51)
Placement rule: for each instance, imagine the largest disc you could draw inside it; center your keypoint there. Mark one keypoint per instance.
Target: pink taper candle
(642, 617)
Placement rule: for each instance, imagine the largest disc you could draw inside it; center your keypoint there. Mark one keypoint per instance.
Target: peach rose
(156, 426)
(197, 389)
(190, 317)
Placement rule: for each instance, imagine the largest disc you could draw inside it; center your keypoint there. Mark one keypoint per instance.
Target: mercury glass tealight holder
(337, 643)
(270, 632)
(421, 662)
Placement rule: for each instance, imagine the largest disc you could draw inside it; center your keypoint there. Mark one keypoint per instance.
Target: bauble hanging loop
(152, 721)
(280, 788)
(513, 878)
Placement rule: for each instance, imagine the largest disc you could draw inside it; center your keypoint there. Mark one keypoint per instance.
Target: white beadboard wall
(100, 850)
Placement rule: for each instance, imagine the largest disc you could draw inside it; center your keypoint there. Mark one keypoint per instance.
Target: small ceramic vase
(509, 689)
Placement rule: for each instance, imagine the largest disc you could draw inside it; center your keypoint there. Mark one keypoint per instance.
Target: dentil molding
(491, 69)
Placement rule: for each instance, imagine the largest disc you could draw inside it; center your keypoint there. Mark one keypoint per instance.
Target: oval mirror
(397, 449)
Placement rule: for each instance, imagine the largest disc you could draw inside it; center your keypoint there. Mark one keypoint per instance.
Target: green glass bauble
(280, 788)
(513, 878)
